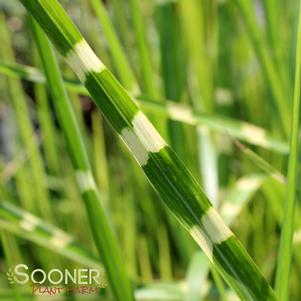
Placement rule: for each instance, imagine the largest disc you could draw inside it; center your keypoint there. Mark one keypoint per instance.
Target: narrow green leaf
(32, 228)
(288, 222)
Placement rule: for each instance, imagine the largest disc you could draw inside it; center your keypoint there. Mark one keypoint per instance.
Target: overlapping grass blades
(28, 138)
(120, 60)
(168, 175)
(275, 81)
(104, 237)
(28, 226)
(239, 129)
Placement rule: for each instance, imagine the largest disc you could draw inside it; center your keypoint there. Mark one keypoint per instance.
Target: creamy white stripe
(163, 2)
(223, 96)
(135, 145)
(202, 240)
(214, 226)
(60, 239)
(255, 134)
(297, 236)
(147, 134)
(29, 222)
(83, 60)
(229, 210)
(181, 113)
(249, 183)
(142, 139)
(85, 180)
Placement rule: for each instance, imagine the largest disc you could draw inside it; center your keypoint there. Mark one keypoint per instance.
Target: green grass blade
(261, 163)
(174, 183)
(100, 159)
(201, 65)
(10, 250)
(21, 71)
(121, 62)
(273, 15)
(144, 54)
(164, 254)
(219, 284)
(28, 137)
(172, 69)
(268, 66)
(196, 277)
(32, 228)
(238, 196)
(286, 238)
(104, 237)
(244, 131)
(48, 130)
(144, 260)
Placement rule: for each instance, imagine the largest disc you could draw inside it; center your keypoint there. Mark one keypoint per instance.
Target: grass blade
(196, 277)
(261, 163)
(172, 67)
(144, 53)
(121, 62)
(268, 66)
(30, 227)
(202, 85)
(286, 238)
(239, 195)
